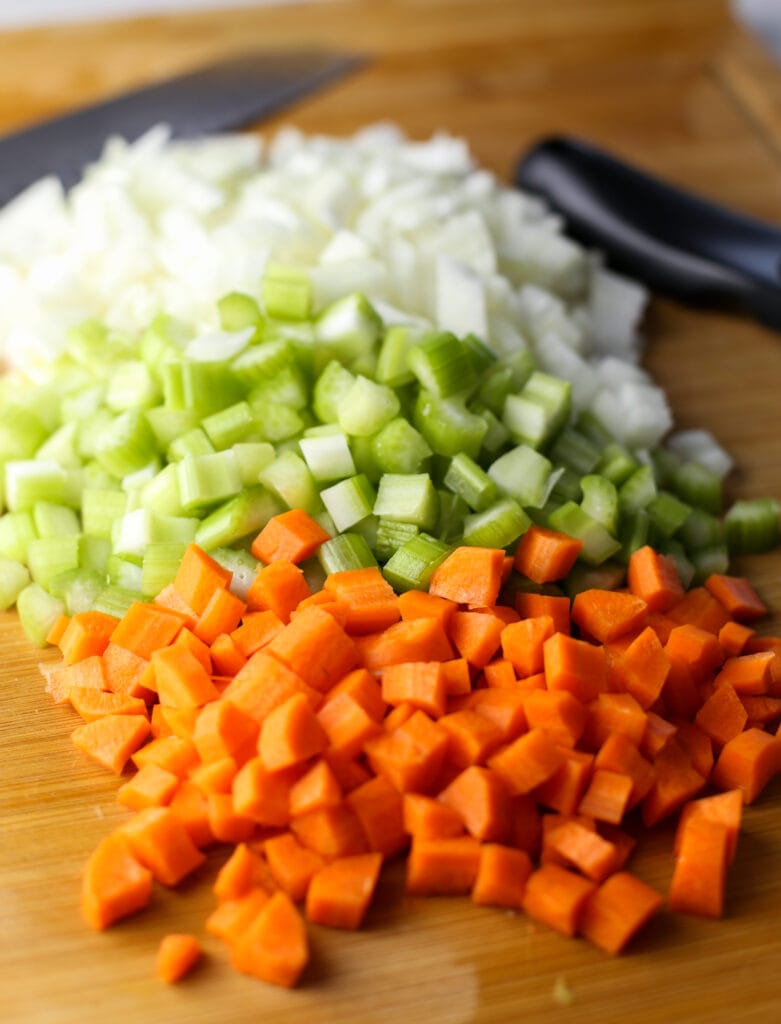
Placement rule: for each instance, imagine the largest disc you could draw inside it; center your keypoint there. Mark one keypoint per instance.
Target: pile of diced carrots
(500, 744)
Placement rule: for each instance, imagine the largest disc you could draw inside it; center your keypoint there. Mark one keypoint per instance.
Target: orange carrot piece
(470, 576)
(181, 679)
(482, 801)
(500, 674)
(581, 848)
(428, 818)
(274, 947)
(197, 578)
(658, 734)
(410, 756)
(256, 630)
(455, 672)
(574, 665)
(215, 776)
(291, 536)
(532, 606)
(562, 792)
(57, 629)
(697, 647)
(111, 740)
(419, 684)
(367, 599)
(724, 808)
(699, 875)
(222, 614)
(62, 679)
(340, 893)
(316, 789)
(442, 867)
(177, 955)
(87, 633)
(472, 737)
(736, 596)
(315, 647)
(476, 635)
(619, 754)
(654, 578)
(291, 734)
(364, 689)
(557, 711)
(747, 674)
(292, 865)
(262, 795)
(114, 883)
(545, 555)
(176, 754)
(607, 615)
(733, 637)
(698, 608)
(528, 761)
(617, 910)
(332, 831)
(162, 844)
(722, 716)
(523, 643)
(761, 710)
(615, 712)
(607, 796)
(556, 897)
(643, 668)
(378, 805)
(502, 707)
(227, 824)
(676, 782)
(170, 598)
(422, 639)
(190, 807)
(223, 730)
(279, 588)
(501, 876)
(347, 725)
(232, 917)
(151, 786)
(196, 646)
(748, 762)
(263, 684)
(125, 672)
(242, 872)
(419, 604)
(145, 628)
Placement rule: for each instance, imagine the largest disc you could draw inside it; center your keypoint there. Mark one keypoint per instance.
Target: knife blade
(222, 96)
(673, 240)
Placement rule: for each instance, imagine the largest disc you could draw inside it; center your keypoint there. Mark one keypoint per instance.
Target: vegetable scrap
(512, 746)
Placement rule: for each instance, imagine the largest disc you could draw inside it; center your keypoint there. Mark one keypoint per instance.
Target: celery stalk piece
(497, 385)
(61, 446)
(124, 572)
(168, 424)
(496, 436)
(481, 356)
(751, 526)
(286, 292)
(329, 391)
(686, 568)
(575, 451)
(263, 362)
(242, 566)
(598, 543)
(28, 481)
(399, 448)
(191, 442)
(707, 561)
(252, 457)
(328, 456)
(441, 364)
(391, 536)
(14, 577)
(700, 531)
(238, 310)
(21, 432)
(100, 507)
(53, 520)
(78, 588)
(126, 445)
(346, 551)
(634, 532)
(475, 486)
(607, 576)
(392, 367)
(497, 526)
(289, 477)
(448, 426)
(159, 566)
(668, 513)
(204, 480)
(539, 411)
(94, 552)
(161, 493)
(115, 600)
(366, 407)
(132, 386)
(638, 490)
(453, 510)
(229, 426)
(16, 531)
(522, 474)
(207, 387)
(600, 501)
(349, 501)
(287, 385)
(238, 518)
(616, 463)
(412, 565)
(47, 557)
(408, 498)
(277, 423)
(347, 330)
(162, 342)
(698, 486)
(38, 611)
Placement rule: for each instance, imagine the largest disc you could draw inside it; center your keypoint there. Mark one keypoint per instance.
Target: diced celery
(286, 292)
(286, 386)
(38, 611)
(347, 330)
(53, 520)
(600, 501)
(204, 480)
(21, 432)
(242, 566)
(522, 474)
(539, 411)
(289, 477)
(328, 456)
(91, 431)
(392, 367)
(161, 493)
(498, 384)
(412, 565)
(252, 457)
(262, 362)
(239, 517)
(634, 533)
(496, 435)
(329, 391)
(159, 566)
(277, 422)
(700, 531)
(668, 513)
(450, 520)
(400, 448)
(441, 364)
(608, 576)
(78, 588)
(751, 526)
(665, 466)
(466, 478)
(497, 526)
(346, 551)
(207, 387)
(237, 311)
(100, 508)
(349, 501)
(127, 444)
(448, 426)
(698, 486)
(47, 557)
(14, 577)
(391, 535)
(16, 531)
(408, 498)
(616, 463)
(115, 600)
(366, 407)
(61, 446)
(162, 342)
(575, 451)
(124, 572)
(598, 543)
(94, 552)
(229, 426)
(638, 490)
(707, 561)
(686, 569)
(131, 386)
(28, 481)
(481, 356)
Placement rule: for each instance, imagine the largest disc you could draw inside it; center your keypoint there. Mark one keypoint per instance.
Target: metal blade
(220, 97)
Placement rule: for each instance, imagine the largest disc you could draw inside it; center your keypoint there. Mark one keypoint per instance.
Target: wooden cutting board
(672, 84)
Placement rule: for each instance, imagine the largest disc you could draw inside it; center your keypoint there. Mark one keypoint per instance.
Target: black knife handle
(672, 240)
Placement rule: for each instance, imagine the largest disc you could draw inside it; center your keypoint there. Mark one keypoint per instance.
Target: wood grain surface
(671, 84)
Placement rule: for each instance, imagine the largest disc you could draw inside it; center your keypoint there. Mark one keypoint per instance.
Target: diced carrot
(482, 801)
(146, 628)
(761, 710)
(583, 849)
(643, 668)
(124, 671)
(698, 609)
(162, 844)
(523, 643)
(222, 614)
(458, 680)
(476, 635)
(502, 707)
(111, 740)
(62, 679)
(699, 875)
(331, 831)
(658, 734)
(176, 754)
(422, 639)
(748, 762)
(442, 867)
(501, 876)
(233, 917)
(419, 604)
(528, 761)
(617, 910)
(724, 808)
(198, 576)
(189, 805)
(419, 684)
(223, 730)
(607, 615)
(563, 791)
(279, 588)
(472, 737)
(291, 734)
(531, 606)
(379, 808)
(291, 536)
(654, 578)
(607, 796)
(574, 665)
(227, 824)
(316, 789)
(500, 674)
(177, 955)
(316, 648)
(114, 883)
(151, 786)
(181, 679)
(556, 897)
(340, 892)
(263, 795)
(736, 596)
(274, 946)
(545, 555)
(361, 685)
(557, 711)
(87, 633)
(292, 865)
(680, 694)
(615, 712)
(242, 872)
(263, 684)
(747, 674)
(619, 754)
(368, 600)
(196, 646)
(256, 630)
(349, 772)
(722, 716)
(410, 756)
(733, 637)
(676, 782)
(698, 647)
(470, 576)
(215, 776)
(428, 818)
(170, 598)
(57, 629)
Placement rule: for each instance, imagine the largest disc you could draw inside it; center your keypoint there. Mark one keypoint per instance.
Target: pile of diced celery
(400, 440)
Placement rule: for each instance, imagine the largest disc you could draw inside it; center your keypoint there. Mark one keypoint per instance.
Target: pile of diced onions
(169, 226)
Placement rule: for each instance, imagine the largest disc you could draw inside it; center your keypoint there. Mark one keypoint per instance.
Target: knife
(674, 241)
(226, 95)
